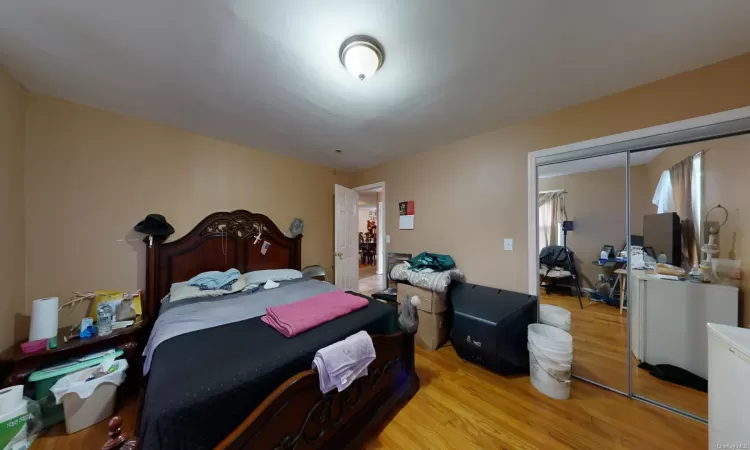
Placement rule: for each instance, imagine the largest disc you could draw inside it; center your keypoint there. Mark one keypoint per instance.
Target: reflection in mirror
(677, 284)
(582, 211)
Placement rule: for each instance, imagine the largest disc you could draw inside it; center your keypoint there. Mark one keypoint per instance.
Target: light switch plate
(387, 238)
(508, 244)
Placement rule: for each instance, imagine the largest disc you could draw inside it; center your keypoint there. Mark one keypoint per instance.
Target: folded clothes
(227, 287)
(214, 279)
(433, 281)
(295, 318)
(341, 363)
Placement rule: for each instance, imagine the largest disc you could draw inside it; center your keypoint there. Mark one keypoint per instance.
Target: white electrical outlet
(508, 244)
(601, 277)
(387, 238)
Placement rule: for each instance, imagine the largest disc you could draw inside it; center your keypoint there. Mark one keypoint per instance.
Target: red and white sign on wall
(406, 215)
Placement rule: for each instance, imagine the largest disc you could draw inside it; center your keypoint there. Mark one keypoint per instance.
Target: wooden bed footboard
(298, 416)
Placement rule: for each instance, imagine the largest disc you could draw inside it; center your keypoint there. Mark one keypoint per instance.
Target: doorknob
(339, 254)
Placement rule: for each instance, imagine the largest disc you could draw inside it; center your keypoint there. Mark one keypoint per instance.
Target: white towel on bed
(341, 363)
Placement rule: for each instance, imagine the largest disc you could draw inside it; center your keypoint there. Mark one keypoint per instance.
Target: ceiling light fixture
(362, 56)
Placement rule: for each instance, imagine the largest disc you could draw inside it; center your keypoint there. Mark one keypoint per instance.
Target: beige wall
(726, 171)
(91, 175)
(368, 198)
(595, 201)
(12, 256)
(471, 194)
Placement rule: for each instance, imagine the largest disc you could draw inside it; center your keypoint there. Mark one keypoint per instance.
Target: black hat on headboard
(155, 225)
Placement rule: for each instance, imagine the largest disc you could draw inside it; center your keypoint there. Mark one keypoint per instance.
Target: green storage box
(52, 413)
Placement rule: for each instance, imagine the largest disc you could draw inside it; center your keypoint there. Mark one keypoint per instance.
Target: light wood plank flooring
(462, 406)
(600, 340)
(90, 438)
(600, 349)
(366, 271)
(369, 281)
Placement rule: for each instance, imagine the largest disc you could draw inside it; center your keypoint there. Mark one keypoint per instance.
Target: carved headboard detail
(221, 241)
(241, 227)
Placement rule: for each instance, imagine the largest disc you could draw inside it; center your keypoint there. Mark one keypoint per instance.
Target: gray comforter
(191, 315)
(432, 281)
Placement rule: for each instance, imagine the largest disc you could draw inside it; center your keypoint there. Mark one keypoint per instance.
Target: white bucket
(555, 316)
(552, 355)
(549, 337)
(550, 379)
(550, 360)
(547, 344)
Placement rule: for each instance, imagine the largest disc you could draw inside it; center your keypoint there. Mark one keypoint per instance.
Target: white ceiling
(266, 72)
(597, 163)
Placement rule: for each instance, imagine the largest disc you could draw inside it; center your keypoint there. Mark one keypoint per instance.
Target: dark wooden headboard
(221, 241)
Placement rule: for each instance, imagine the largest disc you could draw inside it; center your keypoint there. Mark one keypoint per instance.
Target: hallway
(369, 281)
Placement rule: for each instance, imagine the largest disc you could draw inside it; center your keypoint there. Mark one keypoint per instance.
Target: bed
(244, 385)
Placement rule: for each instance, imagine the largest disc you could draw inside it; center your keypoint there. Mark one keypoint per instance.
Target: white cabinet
(668, 319)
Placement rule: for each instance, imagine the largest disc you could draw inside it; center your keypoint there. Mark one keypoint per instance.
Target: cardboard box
(433, 329)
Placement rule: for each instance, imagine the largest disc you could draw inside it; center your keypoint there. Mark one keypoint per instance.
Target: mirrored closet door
(690, 212)
(641, 239)
(582, 234)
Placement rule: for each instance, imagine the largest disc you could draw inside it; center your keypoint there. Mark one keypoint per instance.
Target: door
(591, 194)
(346, 251)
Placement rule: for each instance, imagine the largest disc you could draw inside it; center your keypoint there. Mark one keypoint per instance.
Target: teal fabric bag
(432, 261)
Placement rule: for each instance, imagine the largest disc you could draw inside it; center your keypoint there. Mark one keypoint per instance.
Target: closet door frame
(714, 126)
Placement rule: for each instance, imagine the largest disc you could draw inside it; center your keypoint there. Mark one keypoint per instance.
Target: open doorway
(371, 237)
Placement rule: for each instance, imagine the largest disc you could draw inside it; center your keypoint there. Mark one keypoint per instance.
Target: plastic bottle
(104, 315)
(695, 274)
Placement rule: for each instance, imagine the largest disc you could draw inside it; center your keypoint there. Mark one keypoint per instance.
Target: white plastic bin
(728, 388)
(88, 402)
(555, 316)
(550, 360)
(547, 336)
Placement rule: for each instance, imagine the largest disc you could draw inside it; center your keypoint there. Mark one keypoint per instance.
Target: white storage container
(88, 402)
(550, 360)
(728, 387)
(547, 336)
(555, 316)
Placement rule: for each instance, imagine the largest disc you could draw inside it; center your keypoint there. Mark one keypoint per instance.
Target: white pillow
(183, 291)
(261, 276)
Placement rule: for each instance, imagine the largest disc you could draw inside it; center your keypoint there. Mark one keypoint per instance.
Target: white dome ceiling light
(362, 56)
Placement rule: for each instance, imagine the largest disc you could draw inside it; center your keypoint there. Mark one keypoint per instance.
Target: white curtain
(547, 225)
(680, 190)
(696, 189)
(551, 213)
(663, 198)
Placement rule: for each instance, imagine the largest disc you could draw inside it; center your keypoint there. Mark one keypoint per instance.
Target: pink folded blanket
(295, 318)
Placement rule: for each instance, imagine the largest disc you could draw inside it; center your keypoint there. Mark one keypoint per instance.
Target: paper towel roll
(10, 399)
(43, 318)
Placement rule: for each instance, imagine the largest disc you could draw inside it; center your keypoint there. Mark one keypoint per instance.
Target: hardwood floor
(600, 340)
(369, 281)
(600, 349)
(367, 271)
(90, 438)
(462, 406)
